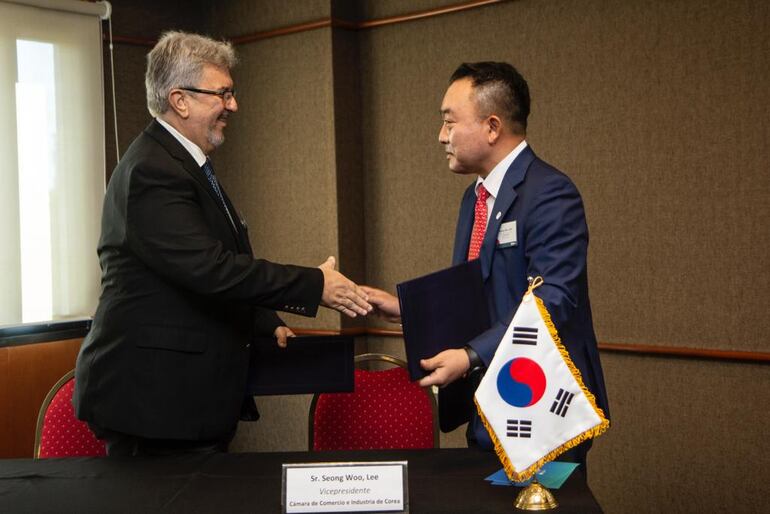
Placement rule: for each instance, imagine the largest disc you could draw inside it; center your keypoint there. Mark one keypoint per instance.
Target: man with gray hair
(163, 368)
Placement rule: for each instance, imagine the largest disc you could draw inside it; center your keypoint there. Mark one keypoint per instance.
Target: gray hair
(177, 60)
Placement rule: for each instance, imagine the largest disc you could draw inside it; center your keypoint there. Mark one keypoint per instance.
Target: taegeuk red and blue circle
(521, 382)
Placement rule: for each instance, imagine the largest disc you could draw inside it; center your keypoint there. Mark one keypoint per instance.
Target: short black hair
(499, 88)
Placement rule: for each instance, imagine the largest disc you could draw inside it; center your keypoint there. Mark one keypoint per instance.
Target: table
(444, 481)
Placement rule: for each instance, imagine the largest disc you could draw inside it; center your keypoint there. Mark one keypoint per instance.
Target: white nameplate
(345, 487)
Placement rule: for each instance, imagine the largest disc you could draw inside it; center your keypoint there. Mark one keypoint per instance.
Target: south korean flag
(532, 399)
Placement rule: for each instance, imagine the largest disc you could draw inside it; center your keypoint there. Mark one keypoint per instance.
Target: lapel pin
(498, 215)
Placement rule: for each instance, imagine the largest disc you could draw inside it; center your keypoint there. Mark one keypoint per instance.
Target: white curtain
(52, 163)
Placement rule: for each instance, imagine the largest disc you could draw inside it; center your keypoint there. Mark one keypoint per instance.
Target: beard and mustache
(216, 135)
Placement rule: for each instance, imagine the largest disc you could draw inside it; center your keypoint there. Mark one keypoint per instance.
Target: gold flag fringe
(599, 429)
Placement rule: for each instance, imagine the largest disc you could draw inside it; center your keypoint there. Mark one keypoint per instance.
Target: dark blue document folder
(309, 364)
(442, 310)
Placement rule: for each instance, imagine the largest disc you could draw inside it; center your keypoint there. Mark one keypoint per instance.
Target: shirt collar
(495, 178)
(191, 147)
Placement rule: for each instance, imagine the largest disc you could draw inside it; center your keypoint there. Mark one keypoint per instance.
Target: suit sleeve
(168, 230)
(556, 246)
(266, 321)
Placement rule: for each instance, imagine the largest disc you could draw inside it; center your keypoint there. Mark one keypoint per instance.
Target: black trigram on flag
(561, 403)
(525, 335)
(519, 428)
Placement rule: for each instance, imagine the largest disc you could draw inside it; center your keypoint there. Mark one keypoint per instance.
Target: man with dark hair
(523, 218)
(163, 368)
(498, 87)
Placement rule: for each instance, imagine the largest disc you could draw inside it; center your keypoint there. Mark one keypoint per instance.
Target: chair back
(385, 411)
(59, 433)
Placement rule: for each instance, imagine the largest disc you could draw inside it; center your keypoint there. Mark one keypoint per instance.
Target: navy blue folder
(442, 310)
(309, 364)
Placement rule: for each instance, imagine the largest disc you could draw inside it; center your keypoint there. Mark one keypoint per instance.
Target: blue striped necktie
(208, 169)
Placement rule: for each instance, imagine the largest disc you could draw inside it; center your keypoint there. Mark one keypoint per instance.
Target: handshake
(342, 294)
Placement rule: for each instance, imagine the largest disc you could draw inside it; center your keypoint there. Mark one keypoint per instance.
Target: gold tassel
(568, 360)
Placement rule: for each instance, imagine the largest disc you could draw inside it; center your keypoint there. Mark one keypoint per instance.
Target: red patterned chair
(59, 433)
(385, 411)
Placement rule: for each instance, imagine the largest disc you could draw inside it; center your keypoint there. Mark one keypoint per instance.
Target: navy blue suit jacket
(552, 242)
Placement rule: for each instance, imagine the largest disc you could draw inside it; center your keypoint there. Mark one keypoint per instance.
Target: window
(51, 162)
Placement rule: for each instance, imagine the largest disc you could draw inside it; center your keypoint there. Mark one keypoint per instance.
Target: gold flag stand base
(535, 497)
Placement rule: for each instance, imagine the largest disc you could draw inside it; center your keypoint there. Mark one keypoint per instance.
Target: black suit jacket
(182, 297)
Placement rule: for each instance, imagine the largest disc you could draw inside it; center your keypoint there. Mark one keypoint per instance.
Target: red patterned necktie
(479, 223)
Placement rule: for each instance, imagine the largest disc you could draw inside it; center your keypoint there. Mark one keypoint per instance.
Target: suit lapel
(505, 198)
(242, 236)
(180, 153)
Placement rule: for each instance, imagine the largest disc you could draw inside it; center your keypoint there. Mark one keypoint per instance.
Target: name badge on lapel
(506, 236)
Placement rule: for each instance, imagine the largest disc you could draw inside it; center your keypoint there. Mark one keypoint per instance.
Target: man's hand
(446, 367)
(385, 304)
(282, 334)
(341, 294)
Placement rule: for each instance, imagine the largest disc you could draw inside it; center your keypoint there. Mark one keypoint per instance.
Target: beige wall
(279, 167)
(686, 436)
(657, 110)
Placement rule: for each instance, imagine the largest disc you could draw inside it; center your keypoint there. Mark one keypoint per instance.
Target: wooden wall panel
(27, 373)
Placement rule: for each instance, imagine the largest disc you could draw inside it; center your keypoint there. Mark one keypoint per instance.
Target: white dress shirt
(191, 147)
(495, 177)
